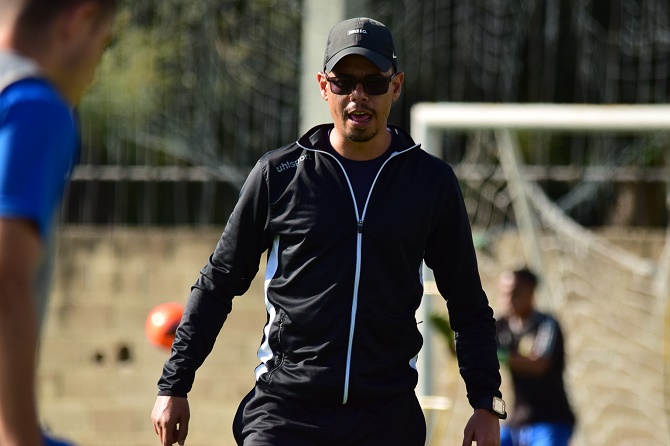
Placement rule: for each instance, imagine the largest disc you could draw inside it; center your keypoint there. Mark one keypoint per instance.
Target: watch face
(498, 406)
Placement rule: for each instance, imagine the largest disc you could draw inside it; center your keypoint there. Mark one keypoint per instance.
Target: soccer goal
(609, 286)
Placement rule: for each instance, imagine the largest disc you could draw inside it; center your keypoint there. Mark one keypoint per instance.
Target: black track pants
(264, 419)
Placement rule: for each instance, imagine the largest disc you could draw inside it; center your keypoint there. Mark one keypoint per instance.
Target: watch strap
(494, 404)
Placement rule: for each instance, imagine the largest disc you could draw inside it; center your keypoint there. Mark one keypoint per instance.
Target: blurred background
(191, 94)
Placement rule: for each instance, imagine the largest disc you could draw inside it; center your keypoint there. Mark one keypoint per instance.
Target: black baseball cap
(363, 36)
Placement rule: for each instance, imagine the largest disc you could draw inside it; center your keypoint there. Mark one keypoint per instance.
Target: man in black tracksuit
(347, 214)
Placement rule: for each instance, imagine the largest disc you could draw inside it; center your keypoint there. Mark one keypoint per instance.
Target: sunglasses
(372, 85)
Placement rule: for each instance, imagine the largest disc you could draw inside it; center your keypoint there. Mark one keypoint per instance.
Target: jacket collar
(14, 67)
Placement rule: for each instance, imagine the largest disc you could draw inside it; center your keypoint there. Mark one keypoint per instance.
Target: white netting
(614, 323)
(608, 288)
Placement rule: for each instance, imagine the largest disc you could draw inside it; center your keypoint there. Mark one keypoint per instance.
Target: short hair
(36, 13)
(528, 276)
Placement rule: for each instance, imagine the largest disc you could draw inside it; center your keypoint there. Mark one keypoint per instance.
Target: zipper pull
(360, 226)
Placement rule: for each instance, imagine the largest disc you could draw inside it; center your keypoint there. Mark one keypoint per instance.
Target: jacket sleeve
(228, 273)
(451, 255)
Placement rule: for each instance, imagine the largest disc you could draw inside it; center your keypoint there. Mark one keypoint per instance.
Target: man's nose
(358, 93)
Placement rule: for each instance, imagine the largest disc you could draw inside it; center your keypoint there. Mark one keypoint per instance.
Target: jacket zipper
(359, 239)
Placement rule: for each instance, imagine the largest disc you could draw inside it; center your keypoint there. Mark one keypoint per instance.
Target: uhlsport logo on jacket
(293, 164)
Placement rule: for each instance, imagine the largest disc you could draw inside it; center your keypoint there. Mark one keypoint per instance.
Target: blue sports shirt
(39, 145)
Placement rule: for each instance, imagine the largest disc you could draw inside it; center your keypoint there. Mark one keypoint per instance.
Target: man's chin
(360, 135)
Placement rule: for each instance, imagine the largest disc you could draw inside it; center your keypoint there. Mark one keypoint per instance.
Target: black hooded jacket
(342, 287)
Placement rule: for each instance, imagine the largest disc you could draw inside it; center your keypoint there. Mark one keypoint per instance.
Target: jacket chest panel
(399, 217)
(312, 208)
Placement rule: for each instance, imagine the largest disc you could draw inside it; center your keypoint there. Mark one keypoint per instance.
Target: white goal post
(430, 120)
(427, 117)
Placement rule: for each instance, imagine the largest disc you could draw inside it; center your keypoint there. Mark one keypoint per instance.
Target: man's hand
(484, 428)
(170, 417)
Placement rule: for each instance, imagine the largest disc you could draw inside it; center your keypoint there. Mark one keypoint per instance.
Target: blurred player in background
(49, 50)
(530, 343)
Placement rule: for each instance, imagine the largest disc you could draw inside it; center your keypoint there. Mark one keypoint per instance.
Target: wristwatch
(494, 405)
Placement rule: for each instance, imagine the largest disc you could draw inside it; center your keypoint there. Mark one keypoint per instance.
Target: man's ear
(78, 20)
(323, 85)
(396, 84)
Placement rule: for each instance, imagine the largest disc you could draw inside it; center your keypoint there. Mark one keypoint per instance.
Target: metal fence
(194, 92)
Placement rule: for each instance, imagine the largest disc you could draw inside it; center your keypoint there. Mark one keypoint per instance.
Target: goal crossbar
(566, 117)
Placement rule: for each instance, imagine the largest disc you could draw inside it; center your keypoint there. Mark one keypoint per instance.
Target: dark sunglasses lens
(376, 86)
(339, 86)
(373, 86)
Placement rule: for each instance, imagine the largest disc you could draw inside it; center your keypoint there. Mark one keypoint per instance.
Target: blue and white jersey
(39, 146)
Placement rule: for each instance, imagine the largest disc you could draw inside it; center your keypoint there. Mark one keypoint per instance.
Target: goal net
(606, 280)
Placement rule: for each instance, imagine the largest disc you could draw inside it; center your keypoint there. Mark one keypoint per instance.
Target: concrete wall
(98, 373)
